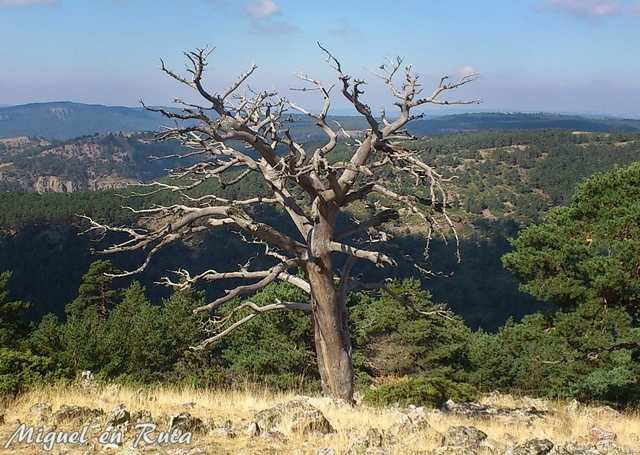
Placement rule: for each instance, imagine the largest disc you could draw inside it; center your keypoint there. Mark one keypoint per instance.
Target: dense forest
(504, 180)
(587, 348)
(552, 312)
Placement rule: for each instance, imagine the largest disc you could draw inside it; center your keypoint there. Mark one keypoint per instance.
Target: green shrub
(20, 369)
(134, 342)
(589, 354)
(431, 392)
(275, 349)
(392, 338)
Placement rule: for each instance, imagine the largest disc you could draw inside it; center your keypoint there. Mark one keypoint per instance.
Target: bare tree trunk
(331, 330)
(333, 345)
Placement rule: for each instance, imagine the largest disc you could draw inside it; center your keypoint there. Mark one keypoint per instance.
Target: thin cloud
(19, 3)
(467, 71)
(593, 9)
(264, 18)
(262, 9)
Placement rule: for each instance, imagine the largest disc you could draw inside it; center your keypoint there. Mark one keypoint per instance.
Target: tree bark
(333, 345)
(331, 330)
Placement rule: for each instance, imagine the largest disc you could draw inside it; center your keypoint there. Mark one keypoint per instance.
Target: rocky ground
(113, 419)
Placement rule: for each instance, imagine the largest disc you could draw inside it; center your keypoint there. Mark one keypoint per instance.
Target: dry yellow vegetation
(564, 423)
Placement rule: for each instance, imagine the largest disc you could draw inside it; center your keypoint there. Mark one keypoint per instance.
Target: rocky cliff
(84, 164)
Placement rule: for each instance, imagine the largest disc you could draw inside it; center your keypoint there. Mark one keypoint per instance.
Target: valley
(504, 180)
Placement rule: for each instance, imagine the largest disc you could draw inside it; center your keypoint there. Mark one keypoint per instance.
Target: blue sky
(578, 56)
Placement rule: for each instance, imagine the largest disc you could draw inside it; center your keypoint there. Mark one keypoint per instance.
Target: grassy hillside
(518, 175)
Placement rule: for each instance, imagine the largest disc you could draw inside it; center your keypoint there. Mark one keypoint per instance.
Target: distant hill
(305, 129)
(66, 120)
(98, 161)
(501, 120)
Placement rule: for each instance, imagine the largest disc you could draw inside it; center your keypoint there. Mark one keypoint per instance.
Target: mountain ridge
(62, 120)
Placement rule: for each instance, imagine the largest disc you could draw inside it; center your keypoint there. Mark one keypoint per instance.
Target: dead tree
(237, 133)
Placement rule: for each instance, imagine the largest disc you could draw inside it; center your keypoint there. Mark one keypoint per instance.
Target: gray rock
(225, 430)
(374, 438)
(119, 416)
(41, 412)
(534, 447)
(467, 437)
(607, 446)
(574, 449)
(411, 422)
(599, 448)
(481, 411)
(186, 423)
(141, 416)
(296, 416)
(76, 414)
(447, 450)
(252, 430)
(325, 451)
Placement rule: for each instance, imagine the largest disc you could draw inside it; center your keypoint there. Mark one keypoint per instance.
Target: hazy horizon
(351, 112)
(557, 56)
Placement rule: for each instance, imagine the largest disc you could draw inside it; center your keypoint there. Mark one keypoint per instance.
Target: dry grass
(561, 425)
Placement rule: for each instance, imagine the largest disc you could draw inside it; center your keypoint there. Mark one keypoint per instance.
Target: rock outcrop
(53, 184)
(413, 421)
(67, 414)
(533, 447)
(363, 445)
(481, 411)
(463, 437)
(186, 423)
(40, 412)
(297, 416)
(119, 417)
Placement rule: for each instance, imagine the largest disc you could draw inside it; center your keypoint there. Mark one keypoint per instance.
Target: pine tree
(12, 325)
(183, 327)
(134, 342)
(96, 291)
(86, 317)
(588, 251)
